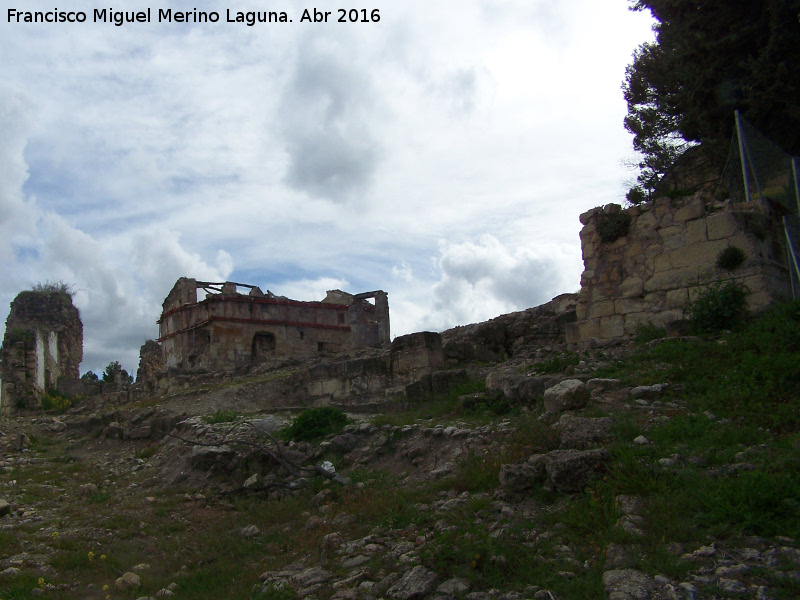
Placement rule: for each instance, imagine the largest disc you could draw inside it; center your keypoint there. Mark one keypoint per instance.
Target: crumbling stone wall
(228, 330)
(151, 367)
(523, 334)
(42, 344)
(411, 358)
(669, 255)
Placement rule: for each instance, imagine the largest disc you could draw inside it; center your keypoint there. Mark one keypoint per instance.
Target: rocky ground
(191, 497)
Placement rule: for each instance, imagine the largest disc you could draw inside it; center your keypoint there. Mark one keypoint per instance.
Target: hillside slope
(662, 470)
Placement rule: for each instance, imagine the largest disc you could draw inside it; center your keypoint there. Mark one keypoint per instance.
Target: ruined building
(227, 329)
(42, 346)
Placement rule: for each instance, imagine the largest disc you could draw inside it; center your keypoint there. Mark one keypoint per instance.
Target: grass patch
(558, 364)
(220, 416)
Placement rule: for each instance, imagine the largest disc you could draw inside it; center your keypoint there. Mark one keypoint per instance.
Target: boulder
(311, 577)
(128, 581)
(518, 477)
(526, 389)
(581, 433)
(628, 584)
(139, 433)
(22, 442)
(572, 470)
(5, 508)
(416, 583)
(567, 395)
(344, 442)
(649, 392)
(88, 489)
(160, 426)
(205, 457)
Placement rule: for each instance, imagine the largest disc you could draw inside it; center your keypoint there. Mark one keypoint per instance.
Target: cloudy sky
(443, 154)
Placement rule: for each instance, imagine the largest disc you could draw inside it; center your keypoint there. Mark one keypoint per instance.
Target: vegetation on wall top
(54, 287)
(612, 226)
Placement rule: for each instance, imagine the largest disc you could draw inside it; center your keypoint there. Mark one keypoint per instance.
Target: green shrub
(636, 195)
(612, 226)
(495, 402)
(731, 258)
(315, 423)
(720, 306)
(52, 400)
(220, 416)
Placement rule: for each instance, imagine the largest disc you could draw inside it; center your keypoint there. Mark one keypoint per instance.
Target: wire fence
(759, 170)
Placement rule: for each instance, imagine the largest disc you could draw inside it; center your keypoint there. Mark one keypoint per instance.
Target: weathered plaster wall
(667, 257)
(229, 330)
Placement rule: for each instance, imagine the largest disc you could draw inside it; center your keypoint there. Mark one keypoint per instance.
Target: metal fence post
(742, 158)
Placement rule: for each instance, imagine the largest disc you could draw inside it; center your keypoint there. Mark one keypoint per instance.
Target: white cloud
(308, 290)
(443, 154)
(158, 260)
(484, 279)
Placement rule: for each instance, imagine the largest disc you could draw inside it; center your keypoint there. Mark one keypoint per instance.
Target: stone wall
(410, 359)
(669, 255)
(42, 345)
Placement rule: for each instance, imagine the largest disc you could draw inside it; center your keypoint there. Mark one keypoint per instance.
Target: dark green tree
(711, 57)
(114, 368)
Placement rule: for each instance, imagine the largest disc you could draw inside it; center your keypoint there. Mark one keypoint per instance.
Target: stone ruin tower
(42, 345)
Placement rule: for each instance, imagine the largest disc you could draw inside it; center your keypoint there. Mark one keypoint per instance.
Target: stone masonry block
(677, 298)
(654, 301)
(670, 280)
(628, 305)
(633, 249)
(694, 209)
(634, 320)
(698, 255)
(601, 309)
(631, 287)
(662, 263)
(696, 231)
(598, 294)
(581, 310)
(587, 216)
(644, 222)
(672, 237)
(720, 225)
(612, 327)
(586, 330)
